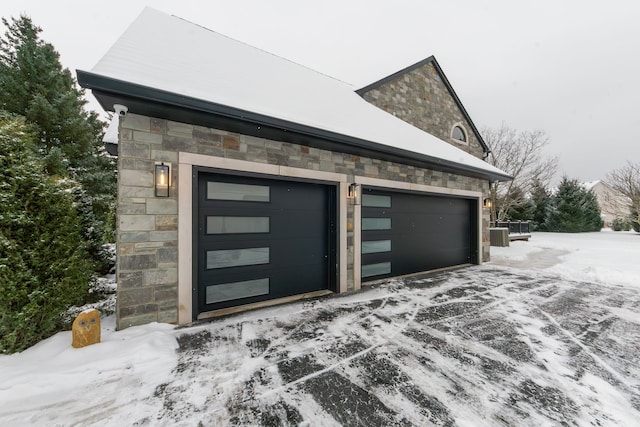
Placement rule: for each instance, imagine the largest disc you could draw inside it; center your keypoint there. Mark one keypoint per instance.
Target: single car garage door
(261, 239)
(404, 233)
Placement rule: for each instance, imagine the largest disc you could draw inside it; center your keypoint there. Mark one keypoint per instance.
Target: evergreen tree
(523, 210)
(33, 84)
(573, 209)
(634, 221)
(44, 262)
(540, 199)
(592, 213)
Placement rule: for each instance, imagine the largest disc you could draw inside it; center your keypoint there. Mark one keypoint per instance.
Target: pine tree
(540, 199)
(33, 84)
(592, 213)
(573, 209)
(523, 210)
(45, 266)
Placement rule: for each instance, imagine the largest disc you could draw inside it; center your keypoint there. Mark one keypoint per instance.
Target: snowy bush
(44, 263)
(635, 225)
(621, 224)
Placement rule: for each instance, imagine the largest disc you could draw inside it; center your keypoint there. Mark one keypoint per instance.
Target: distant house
(613, 204)
(247, 180)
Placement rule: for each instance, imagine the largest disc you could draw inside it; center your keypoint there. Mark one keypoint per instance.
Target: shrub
(621, 224)
(634, 220)
(44, 265)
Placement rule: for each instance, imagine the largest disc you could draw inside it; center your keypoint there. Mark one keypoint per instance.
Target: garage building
(246, 180)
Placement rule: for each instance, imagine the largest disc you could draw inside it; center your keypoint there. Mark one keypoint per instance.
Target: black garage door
(404, 233)
(260, 239)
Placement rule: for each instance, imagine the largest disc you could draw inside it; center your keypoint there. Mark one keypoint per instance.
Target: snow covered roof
(165, 59)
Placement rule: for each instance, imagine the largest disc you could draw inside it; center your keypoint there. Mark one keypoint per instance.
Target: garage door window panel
(376, 201)
(378, 269)
(237, 257)
(237, 290)
(238, 192)
(237, 224)
(376, 246)
(376, 224)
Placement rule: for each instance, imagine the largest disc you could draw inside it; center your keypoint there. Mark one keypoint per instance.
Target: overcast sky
(569, 67)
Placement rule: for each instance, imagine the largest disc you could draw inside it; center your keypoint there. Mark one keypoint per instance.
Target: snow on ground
(546, 334)
(604, 257)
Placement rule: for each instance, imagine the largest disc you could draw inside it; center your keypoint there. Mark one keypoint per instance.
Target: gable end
(365, 92)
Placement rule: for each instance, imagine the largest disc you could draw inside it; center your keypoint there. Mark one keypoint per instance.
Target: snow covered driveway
(485, 345)
(482, 345)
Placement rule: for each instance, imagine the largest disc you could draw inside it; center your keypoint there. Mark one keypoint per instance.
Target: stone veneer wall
(147, 239)
(421, 98)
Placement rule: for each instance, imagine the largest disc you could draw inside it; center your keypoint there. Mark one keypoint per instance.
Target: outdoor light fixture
(487, 203)
(163, 173)
(354, 193)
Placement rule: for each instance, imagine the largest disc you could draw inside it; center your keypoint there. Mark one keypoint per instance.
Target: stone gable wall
(421, 98)
(147, 239)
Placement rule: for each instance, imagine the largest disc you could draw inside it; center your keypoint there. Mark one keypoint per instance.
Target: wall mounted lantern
(163, 181)
(487, 203)
(354, 193)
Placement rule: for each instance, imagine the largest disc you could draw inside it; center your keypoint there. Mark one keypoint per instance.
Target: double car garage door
(260, 239)
(404, 233)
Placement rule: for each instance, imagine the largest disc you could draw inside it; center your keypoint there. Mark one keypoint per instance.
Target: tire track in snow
(631, 388)
(343, 361)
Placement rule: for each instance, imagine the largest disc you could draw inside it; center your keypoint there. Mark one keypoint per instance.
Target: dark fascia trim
(446, 82)
(153, 102)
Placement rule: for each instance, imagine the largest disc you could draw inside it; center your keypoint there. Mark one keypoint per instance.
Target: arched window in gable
(459, 134)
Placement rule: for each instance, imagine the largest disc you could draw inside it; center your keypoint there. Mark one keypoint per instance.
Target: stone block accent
(164, 156)
(230, 143)
(167, 293)
(136, 222)
(137, 262)
(134, 237)
(162, 206)
(179, 143)
(163, 236)
(138, 178)
(166, 222)
(147, 137)
(161, 276)
(136, 122)
(168, 255)
(135, 150)
(134, 297)
(179, 128)
(140, 193)
(130, 280)
(132, 208)
(168, 316)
